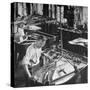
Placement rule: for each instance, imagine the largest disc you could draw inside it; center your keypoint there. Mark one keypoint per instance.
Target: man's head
(21, 25)
(41, 41)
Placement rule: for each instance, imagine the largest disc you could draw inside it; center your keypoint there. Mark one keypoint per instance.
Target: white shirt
(19, 35)
(21, 31)
(32, 55)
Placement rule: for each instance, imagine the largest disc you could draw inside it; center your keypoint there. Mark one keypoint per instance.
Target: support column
(31, 8)
(62, 14)
(40, 9)
(50, 12)
(58, 13)
(20, 9)
(24, 9)
(53, 11)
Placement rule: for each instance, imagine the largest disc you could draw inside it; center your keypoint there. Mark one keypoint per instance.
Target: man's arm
(27, 70)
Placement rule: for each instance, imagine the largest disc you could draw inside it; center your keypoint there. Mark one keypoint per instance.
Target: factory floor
(66, 36)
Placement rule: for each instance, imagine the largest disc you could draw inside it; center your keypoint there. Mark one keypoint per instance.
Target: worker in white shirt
(19, 35)
(33, 53)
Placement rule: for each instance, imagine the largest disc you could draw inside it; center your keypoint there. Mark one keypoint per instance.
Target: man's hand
(27, 70)
(34, 78)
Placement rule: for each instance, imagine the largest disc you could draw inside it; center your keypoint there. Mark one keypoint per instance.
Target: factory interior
(65, 54)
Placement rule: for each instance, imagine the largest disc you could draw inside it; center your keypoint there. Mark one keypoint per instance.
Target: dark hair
(19, 25)
(41, 38)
